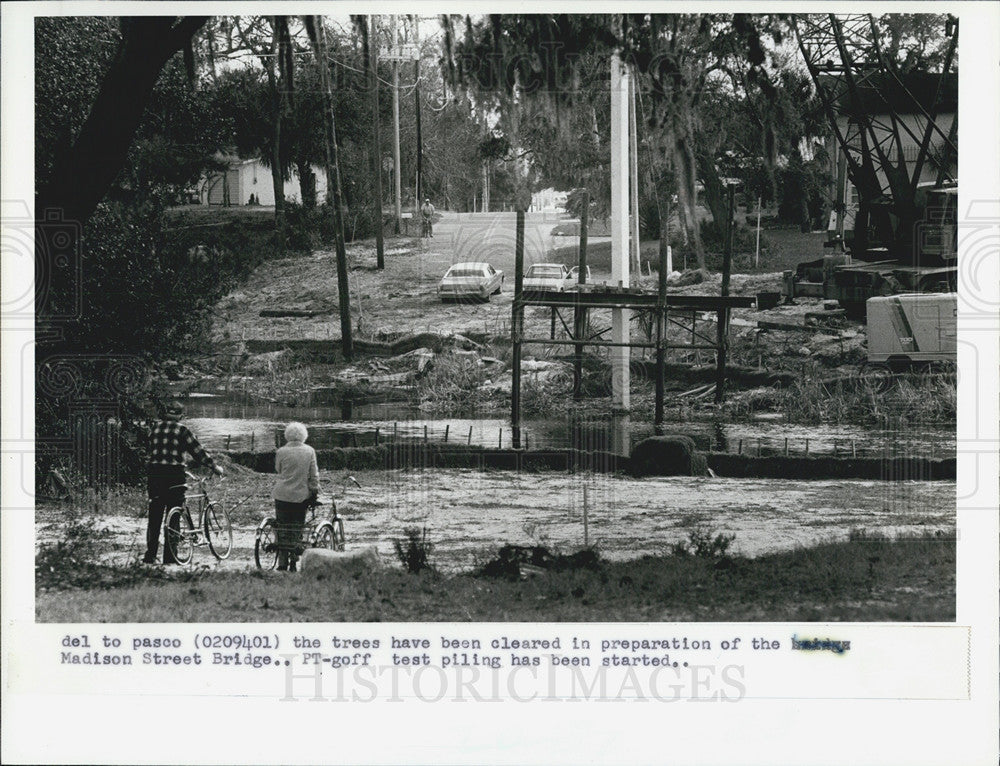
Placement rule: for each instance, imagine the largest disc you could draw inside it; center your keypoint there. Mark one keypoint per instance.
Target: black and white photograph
(532, 348)
(526, 317)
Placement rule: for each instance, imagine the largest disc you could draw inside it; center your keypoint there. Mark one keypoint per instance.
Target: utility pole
(620, 317)
(395, 124)
(486, 186)
(377, 148)
(416, 102)
(633, 147)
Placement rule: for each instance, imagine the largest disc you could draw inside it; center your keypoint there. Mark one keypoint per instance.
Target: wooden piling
(470, 436)
(425, 433)
(723, 314)
(807, 448)
(661, 291)
(580, 314)
(446, 427)
(376, 436)
(517, 329)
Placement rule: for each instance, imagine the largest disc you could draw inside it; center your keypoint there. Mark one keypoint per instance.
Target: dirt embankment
(277, 337)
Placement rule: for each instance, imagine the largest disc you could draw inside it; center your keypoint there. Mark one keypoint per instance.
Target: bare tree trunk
(687, 177)
(277, 176)
(317, 34)
(715, 195)
(307, 183)
(371, 64)
(277, 179)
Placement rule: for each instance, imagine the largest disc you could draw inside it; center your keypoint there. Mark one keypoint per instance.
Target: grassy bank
(868, 577)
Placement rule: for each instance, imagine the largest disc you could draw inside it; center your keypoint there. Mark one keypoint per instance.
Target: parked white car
(470, 281)
(549, 277)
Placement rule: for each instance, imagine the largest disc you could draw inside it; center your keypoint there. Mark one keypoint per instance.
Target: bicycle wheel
(218, 530)
(179, 535)
(330, 535)
(265, 549)
(326, 537)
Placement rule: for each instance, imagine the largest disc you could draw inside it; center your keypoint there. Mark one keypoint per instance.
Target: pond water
(222, 424)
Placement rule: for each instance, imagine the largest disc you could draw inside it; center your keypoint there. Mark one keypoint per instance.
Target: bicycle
(214, 526)
(315, 533)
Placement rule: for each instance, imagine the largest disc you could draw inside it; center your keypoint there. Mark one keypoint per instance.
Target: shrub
(147, 288)
(453, 383)
(701, 544)
(414, 552)
(72, 561)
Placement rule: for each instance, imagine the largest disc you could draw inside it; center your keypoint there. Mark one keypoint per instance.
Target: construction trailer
(893, 223)
(903, 329)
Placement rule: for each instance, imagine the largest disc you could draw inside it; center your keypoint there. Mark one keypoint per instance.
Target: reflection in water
(621, 434)
(228, 425)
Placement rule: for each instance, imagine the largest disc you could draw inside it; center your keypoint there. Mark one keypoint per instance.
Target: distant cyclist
(427, 216)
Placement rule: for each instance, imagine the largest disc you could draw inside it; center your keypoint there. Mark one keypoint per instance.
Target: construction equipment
(903, 329)
(896, 135)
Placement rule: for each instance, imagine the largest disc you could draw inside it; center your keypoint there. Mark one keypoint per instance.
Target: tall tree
(81, 176)
(317, 35)
(369, 35)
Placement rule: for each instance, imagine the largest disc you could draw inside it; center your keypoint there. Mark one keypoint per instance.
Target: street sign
(403, 52)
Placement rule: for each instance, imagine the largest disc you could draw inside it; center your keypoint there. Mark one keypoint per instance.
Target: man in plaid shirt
(168, 443)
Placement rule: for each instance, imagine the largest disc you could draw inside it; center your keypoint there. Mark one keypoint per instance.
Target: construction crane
(896, 177)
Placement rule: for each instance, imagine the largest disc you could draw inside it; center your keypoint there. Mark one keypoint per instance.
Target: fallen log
(767, 324)
(296, 312)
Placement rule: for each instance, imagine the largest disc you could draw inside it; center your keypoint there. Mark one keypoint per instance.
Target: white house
(548, 200)
(251, 177)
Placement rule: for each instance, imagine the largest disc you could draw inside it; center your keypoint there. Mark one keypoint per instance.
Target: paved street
(490, 237)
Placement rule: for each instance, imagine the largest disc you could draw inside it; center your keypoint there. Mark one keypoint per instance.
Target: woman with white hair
(297, 487)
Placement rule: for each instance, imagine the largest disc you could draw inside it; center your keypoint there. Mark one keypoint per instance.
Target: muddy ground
(469, 514)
